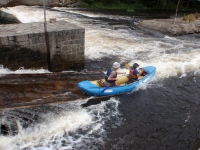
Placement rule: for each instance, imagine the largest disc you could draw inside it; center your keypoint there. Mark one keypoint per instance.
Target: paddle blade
(105, 89)
(128, 66)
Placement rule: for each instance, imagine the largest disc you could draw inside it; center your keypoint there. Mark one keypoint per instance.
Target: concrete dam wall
(24, 45)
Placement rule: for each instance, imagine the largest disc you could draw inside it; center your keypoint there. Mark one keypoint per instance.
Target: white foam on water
(170, 55)
(27, 14)
(91, 14)
(21, 70)
(73, 128)
(80, 128)
(101, 43)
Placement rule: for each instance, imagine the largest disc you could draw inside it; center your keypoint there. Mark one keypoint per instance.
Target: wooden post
(46, 38)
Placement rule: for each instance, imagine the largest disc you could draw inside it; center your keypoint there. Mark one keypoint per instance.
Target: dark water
(160, 118)
(163, 115)
(6, 18)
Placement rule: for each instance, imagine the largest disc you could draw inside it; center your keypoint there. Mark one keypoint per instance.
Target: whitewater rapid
(177, 56)
(76, 127)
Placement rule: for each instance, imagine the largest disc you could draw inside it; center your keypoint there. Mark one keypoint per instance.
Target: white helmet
(116, 65)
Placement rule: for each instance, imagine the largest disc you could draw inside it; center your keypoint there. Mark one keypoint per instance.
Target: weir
(24, 95)
(24, 45)
(28, 46)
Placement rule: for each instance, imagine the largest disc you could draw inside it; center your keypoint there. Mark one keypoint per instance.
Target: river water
(161, 115)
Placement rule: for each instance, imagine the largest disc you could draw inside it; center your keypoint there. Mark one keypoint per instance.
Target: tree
(176, 12)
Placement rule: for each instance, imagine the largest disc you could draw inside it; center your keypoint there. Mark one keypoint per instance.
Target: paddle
(105, 89)
(128, 66)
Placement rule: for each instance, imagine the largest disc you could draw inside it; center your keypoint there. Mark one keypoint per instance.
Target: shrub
(190, 17)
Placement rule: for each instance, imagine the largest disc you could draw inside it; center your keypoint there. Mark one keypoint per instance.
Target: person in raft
(134, 73)
(111, 75)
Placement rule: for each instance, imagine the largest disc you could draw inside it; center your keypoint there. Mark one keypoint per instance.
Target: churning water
(163, 114)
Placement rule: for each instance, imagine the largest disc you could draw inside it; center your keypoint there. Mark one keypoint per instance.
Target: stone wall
(24, 45)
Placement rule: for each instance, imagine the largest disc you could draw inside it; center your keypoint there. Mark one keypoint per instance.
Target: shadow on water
(95, 101)
(98, 100)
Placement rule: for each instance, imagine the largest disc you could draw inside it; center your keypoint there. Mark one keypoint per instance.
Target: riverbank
(180, 27)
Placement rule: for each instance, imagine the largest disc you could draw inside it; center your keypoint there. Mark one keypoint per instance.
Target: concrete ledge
(66, 44)
(36, 27)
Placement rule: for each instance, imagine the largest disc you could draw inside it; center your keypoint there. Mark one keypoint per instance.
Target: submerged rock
(180, 27)
(6, 18)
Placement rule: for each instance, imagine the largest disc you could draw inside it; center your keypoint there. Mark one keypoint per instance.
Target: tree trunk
(188, 3)
(176, 12)
(158, 2)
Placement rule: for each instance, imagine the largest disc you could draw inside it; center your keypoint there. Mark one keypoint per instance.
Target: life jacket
(131, 74)
(107, 75)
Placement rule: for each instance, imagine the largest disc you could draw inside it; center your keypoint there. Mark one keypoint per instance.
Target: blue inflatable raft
(94, 88)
